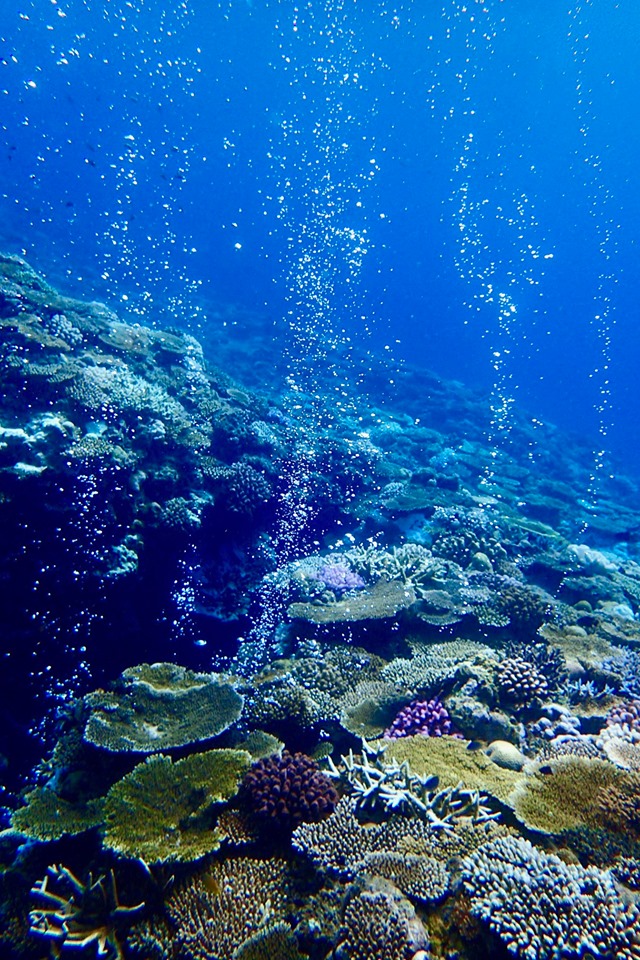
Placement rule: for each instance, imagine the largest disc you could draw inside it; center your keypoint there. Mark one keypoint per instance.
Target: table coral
(384, 600)
(154, 707)
(48, 816)
(164, 811)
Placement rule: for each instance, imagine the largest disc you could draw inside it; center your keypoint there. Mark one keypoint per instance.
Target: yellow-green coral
(384, 600)
(154, 707)
(449, 759)
(48, 816)
(164, 811)
(577, 792)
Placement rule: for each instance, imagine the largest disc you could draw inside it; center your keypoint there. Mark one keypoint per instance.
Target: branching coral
(394, 787)
(543, 909)
(216, 912)
(76, 914)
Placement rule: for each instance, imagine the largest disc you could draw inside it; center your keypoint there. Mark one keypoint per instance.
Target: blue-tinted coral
(544, 909)
(627, 666)
(428, 718)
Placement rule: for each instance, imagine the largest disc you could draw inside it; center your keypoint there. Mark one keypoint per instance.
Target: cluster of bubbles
(105, 120)
(324, 160)
(498, 248)
(589, 169)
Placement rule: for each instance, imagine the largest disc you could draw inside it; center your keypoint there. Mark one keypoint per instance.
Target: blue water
(166, 160)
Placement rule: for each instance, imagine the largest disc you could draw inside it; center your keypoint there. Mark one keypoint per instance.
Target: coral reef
(435, 583)
(450, 762)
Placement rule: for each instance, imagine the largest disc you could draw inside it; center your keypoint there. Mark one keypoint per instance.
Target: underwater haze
(319, 480)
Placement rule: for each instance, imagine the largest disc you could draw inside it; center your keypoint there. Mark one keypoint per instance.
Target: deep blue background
(549, 93)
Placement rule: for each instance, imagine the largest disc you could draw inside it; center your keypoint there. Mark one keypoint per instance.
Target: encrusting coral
(573, 792)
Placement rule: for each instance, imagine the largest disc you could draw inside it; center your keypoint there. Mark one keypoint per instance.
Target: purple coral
(626, 715)
(338, 577)
(428, 718)
(283, 792)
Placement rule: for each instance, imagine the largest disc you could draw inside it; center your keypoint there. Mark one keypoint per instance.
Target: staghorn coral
(76, 914)
(282, 792)
(164, 811)
(158, 706)
(449, 760)
(219, 910)
(543, 909)
(394, 786)
(411, 565)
